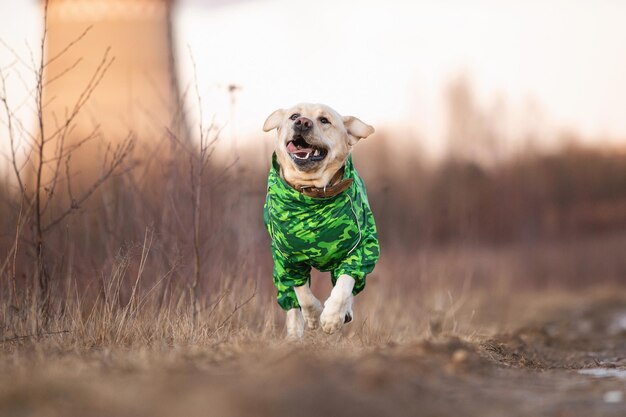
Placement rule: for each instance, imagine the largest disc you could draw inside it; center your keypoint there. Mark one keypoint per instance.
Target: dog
(317, 214)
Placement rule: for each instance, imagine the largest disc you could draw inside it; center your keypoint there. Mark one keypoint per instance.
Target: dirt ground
(552, 366)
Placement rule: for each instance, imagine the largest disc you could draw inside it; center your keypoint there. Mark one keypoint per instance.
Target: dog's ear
(273, 120)
(356, 129)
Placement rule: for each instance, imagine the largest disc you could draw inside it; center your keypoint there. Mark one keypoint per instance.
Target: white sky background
(388, 62)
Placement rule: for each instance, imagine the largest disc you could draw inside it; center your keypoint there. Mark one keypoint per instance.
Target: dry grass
(464, 292)
(406, 352)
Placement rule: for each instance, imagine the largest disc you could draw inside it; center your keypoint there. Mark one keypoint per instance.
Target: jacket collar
(339, 183)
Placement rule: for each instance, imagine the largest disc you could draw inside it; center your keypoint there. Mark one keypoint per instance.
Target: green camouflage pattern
(335, 234)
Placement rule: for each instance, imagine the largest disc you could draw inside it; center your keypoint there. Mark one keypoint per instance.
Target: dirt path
(552, 368)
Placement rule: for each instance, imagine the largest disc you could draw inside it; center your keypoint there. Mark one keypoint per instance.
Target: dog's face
(313, 141)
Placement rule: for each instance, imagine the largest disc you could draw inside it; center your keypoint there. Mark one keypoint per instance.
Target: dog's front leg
(311, 306)
(338, 307)
(295, 324)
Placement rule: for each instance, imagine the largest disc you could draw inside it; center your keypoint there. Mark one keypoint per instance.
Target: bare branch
(232, 313)
(5, 105)
(119, 155)
(63, 73)
(98, 75)
(68, 46)
(13, 52)
(21, 221)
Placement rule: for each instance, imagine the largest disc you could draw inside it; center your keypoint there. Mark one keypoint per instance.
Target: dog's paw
(311, 314)
(349, 314)
(294, 324)
(331, 323)
(337, 311)
(348, 317)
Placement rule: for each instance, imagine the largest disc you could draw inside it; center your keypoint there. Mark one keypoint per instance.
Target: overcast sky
(388, 62)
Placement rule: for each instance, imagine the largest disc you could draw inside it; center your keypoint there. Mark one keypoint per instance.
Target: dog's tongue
(302, 152)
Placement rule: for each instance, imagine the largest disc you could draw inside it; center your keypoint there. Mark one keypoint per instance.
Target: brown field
(445, 333)
(238, 371)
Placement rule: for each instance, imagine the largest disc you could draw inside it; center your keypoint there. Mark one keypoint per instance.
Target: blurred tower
(138, 93)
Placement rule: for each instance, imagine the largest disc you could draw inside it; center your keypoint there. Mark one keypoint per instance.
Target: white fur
(295, 324)
(356, 129)
(338, 305)
(339, 136)
(273, 120)
(311, 306)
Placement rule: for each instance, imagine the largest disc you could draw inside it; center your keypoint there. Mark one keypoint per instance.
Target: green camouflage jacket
(336, 234)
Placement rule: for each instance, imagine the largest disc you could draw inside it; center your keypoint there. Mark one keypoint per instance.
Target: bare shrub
(42, 171)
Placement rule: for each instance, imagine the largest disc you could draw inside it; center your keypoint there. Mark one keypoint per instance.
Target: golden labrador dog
(317, 214)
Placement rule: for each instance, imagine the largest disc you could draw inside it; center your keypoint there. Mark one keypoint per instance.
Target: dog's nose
(303, 124)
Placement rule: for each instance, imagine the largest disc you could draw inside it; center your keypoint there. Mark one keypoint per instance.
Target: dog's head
(314, 141)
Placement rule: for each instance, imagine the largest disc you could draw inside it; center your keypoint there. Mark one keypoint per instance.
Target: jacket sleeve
(363, 258)
(286, 276)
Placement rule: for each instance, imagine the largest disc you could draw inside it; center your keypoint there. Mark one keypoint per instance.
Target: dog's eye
(294, 116)
(324, 121)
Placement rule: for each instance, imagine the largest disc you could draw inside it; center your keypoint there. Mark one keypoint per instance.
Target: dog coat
(335, 234)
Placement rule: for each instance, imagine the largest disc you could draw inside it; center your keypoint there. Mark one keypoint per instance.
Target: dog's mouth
(303, 153)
